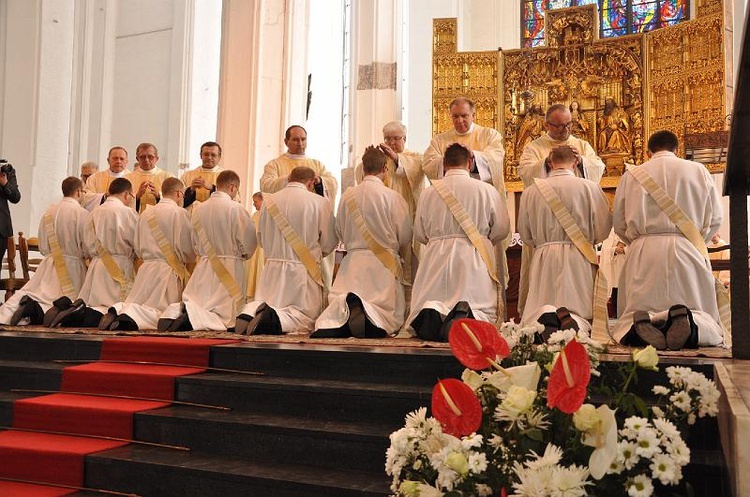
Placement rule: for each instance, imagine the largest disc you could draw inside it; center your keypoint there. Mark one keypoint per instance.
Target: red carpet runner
(59, 459)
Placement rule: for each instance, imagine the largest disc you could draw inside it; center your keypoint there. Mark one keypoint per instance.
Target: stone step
(306, 398)
(155, 472)
(273, 438)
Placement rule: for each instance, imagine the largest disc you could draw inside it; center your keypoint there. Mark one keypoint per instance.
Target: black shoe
(108, 319)
(461, 310)
(265, 322)
(181, 322)
(566, 320)
(647, 332)
(124, 323)
(427, 325)
(28, 308)
(681, 332)
(357, 320)
(91, 318)
(71, 317)
(342, 332)
(163, 324)
(58, 305)
(241, 324)
(551, 324)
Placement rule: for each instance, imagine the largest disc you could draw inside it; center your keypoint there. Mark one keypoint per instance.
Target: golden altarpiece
(618, 89)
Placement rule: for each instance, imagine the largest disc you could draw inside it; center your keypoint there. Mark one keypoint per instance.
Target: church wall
(36, 100)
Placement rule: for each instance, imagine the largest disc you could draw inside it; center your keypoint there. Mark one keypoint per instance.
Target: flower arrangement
(517, 424)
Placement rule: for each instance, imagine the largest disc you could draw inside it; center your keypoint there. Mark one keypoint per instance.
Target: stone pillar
(37, 61)
(263, 55)
(376, 89)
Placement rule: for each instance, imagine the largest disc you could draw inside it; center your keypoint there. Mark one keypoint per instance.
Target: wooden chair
(28, 251)
(9, 264)
(24, 247)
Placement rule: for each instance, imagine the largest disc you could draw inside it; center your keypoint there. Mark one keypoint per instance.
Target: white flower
(647, 443)
(679, 451)
(658, 412)
(640, 486)
(472, 378)
(667, 428)
(628, 454)
(660, 390)
(517, 401)
(646, 358)
(603, 437)
(664, 469)
(551, 457)
(586, 417)
(681, 400)
(477, 462)
(471, 441)
(569, 482)
(633, 426)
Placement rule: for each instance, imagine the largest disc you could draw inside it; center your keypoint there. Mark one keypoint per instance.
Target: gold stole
(63, 276)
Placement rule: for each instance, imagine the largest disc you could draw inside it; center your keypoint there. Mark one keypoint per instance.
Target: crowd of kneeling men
(445, 252)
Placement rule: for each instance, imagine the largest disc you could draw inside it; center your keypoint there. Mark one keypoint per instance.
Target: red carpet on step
(16, 489)
(59, 459)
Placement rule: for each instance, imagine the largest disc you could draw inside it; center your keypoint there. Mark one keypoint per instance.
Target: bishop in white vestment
(363, 279)
(663, 268)
(289, 298)
(147, 178)
(560, 275)
(212, 299)
(158, 282)
(97, 184)
(452, 270)
(44, 287)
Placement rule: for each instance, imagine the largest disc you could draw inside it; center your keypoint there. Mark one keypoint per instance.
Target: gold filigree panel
(619, 89)
(469, 74)
(687, 78)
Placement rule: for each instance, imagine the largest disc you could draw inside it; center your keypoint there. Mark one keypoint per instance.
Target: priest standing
(201, 181)
(147, 178)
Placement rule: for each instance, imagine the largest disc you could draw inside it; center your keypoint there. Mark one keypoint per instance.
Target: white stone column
(262, 59)
(37, 57)
(375, 91)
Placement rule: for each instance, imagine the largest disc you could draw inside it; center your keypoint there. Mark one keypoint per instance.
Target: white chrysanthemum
(569, 482)
(627, 454)
(416, 419)
(616, 467)
(633, 426)
(664, 469)
(647, 443)
(660, 390)
(658, 412)
(472, 441)
(640, 486)
(667, 428)
(681, 400)
(477, 462)
(679, 451)
(551, 457)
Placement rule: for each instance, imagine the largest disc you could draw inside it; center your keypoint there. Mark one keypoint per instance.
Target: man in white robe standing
(296, 231)
(666, 295)
(224, 237)
(163, 241)
(561, 278)
(108, 237)
(534, 163)
(60, 241)
(457, 276)
(373, 221)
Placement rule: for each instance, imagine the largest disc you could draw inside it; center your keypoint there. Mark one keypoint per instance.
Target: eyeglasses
(129, 194)
(394, 138)
(149, 157)
(561, 126)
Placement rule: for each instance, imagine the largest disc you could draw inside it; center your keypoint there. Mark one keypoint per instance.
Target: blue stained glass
(558, 4)
(617, 17)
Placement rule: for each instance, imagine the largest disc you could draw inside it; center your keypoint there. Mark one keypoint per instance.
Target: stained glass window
(616, 17)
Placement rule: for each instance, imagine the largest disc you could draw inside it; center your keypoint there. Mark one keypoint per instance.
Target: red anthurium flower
(456, 407)
(569, 378)
(477, 344)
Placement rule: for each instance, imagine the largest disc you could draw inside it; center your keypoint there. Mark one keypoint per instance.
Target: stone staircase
(315, 424)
